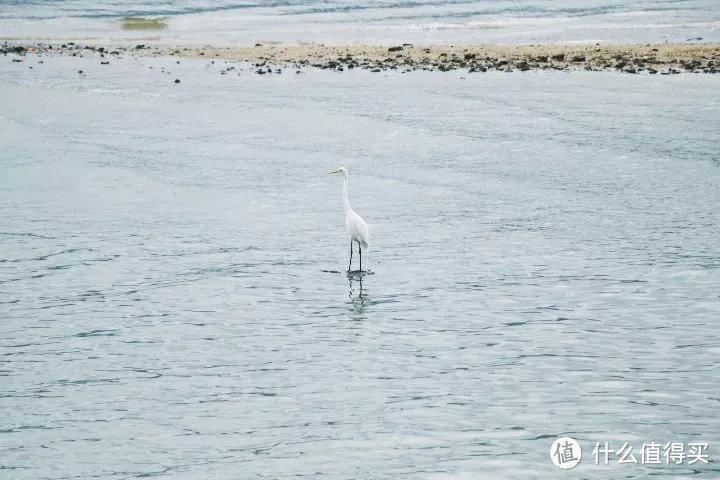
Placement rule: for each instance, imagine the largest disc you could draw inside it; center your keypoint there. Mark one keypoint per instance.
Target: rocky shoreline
(263, 58)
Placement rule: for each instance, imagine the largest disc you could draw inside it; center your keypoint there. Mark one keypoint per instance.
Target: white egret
(357, 227)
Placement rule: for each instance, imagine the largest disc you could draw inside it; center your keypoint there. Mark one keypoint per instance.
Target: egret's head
(342, 170)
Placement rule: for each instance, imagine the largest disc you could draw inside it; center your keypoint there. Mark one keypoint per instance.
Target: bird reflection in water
(356, 295)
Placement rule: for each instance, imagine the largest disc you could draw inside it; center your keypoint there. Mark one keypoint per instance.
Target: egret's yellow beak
(334, 171)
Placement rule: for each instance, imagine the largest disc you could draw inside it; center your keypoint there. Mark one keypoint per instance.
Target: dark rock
(140, 46)
(469, 56)
(104, 63)
(17, 60)
(80, 71)
(578, 58)
(375, 70)
(395, 49)
(258, 44)
(652, 71)
(541, 58)
(558, 57)
(177, 80)
(621, 64)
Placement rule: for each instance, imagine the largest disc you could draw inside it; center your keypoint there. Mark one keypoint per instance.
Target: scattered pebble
(647, 59)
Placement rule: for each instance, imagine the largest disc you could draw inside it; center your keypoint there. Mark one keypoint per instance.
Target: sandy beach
(267, 58)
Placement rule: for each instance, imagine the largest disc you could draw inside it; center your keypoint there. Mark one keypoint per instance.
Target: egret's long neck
(346, 201)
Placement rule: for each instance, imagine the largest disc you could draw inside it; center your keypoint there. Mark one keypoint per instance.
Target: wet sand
(268, 58)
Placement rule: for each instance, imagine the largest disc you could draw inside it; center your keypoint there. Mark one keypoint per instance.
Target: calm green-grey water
(363, 21)
(544, 247)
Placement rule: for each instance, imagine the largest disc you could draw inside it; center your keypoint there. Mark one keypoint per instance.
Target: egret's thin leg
(350, 264)
(360, 250)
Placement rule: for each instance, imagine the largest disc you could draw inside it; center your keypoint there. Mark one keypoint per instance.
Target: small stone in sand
(177, 80)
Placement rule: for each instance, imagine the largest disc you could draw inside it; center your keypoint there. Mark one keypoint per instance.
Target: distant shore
(268, 57)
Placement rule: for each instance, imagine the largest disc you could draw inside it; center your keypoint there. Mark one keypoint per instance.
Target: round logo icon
(565, 453)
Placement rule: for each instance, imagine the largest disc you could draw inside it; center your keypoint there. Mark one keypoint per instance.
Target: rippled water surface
(545, 250)
(371, 21)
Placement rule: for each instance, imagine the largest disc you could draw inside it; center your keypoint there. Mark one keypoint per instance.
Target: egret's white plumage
(356, 226)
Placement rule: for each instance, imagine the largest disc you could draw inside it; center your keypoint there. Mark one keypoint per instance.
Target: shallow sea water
(544, 246)
(363, 21)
